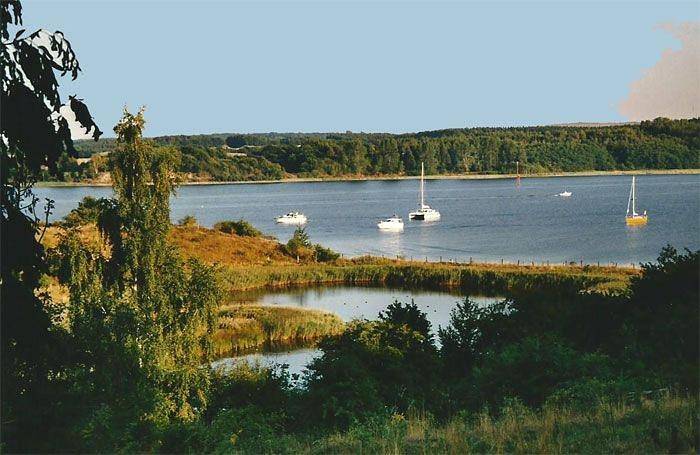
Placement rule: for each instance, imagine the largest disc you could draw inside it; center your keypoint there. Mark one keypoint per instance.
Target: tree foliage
(655, 144)
(33, 133)
(140, 316)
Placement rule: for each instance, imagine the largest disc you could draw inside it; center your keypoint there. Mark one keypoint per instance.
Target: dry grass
(217, 247)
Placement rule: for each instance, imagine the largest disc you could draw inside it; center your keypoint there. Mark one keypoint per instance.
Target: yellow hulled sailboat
(633, 218)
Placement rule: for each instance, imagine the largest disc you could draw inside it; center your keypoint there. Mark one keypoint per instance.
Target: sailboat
(424, 212)
(633, 218)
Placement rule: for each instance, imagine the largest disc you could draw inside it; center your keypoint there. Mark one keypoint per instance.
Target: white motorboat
(424, 212)
(394, 223)
(565, 194)
(291, 218)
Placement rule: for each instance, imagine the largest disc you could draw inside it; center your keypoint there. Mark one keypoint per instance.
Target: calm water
(481, 219)
(348, 303)
(351, 302)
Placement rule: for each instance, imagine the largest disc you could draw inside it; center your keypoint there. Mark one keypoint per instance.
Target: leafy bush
(374, 366)
(240, 227)
(299, 245)
(88, 211)
(664, 319)
(188, 221)
(324, 254)
(532, 369)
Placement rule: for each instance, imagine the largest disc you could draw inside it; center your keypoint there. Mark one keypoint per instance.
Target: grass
(245, 327)
(663, 425)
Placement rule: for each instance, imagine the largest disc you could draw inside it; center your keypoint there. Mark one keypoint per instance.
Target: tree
(33, 133)
(141, 316)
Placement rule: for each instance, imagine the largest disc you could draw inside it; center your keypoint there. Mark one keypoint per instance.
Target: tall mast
(634, 211)
(421, 185)
(629, 199)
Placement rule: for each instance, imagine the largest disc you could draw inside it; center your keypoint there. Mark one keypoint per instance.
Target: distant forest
(657, 144)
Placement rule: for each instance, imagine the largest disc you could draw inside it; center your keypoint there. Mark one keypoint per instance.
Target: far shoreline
(402, 177)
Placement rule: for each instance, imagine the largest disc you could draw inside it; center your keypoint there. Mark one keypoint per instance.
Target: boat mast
(634, 210)
(629, 199)
(422, 203)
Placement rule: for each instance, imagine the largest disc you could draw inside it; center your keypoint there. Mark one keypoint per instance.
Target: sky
(393, 66)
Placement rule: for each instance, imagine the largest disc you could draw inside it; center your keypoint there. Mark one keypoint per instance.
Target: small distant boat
(633, 218)
(565, 193)
(291, 218)
(424, 212)
(394, 223)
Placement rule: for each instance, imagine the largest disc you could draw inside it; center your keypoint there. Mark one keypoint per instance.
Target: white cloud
(670, 88)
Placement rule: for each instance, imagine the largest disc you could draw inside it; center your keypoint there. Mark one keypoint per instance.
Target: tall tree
(33, 133)
(142, 316)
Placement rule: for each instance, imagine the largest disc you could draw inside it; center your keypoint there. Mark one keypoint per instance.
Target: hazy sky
(226, 66)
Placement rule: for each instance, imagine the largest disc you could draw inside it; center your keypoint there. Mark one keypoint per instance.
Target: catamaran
(633, 218)
(395, 223)
(291, 218)
(424, 212)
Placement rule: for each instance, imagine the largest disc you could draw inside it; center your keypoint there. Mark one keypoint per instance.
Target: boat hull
(394, 227)
(291, 221)
(418, 216)
(636, 220)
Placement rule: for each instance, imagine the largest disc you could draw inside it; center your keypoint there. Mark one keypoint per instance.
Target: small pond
(348, 302)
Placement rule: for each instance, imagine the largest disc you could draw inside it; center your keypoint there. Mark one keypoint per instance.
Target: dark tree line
(657, 144)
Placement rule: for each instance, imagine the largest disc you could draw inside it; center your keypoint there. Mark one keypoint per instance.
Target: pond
(349, 303)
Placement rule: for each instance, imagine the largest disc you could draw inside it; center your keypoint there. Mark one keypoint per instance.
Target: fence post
(518, 261)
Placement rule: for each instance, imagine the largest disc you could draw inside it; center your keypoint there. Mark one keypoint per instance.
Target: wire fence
(505, 262)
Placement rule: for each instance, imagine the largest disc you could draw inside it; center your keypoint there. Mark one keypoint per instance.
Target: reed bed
(246, 327)
(469, 278)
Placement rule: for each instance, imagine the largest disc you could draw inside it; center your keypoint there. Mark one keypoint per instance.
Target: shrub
(188, 221)
(240, 227)
(374, 366)
(324, 254)
(299, 245)
(88, 211)
(532, 369)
